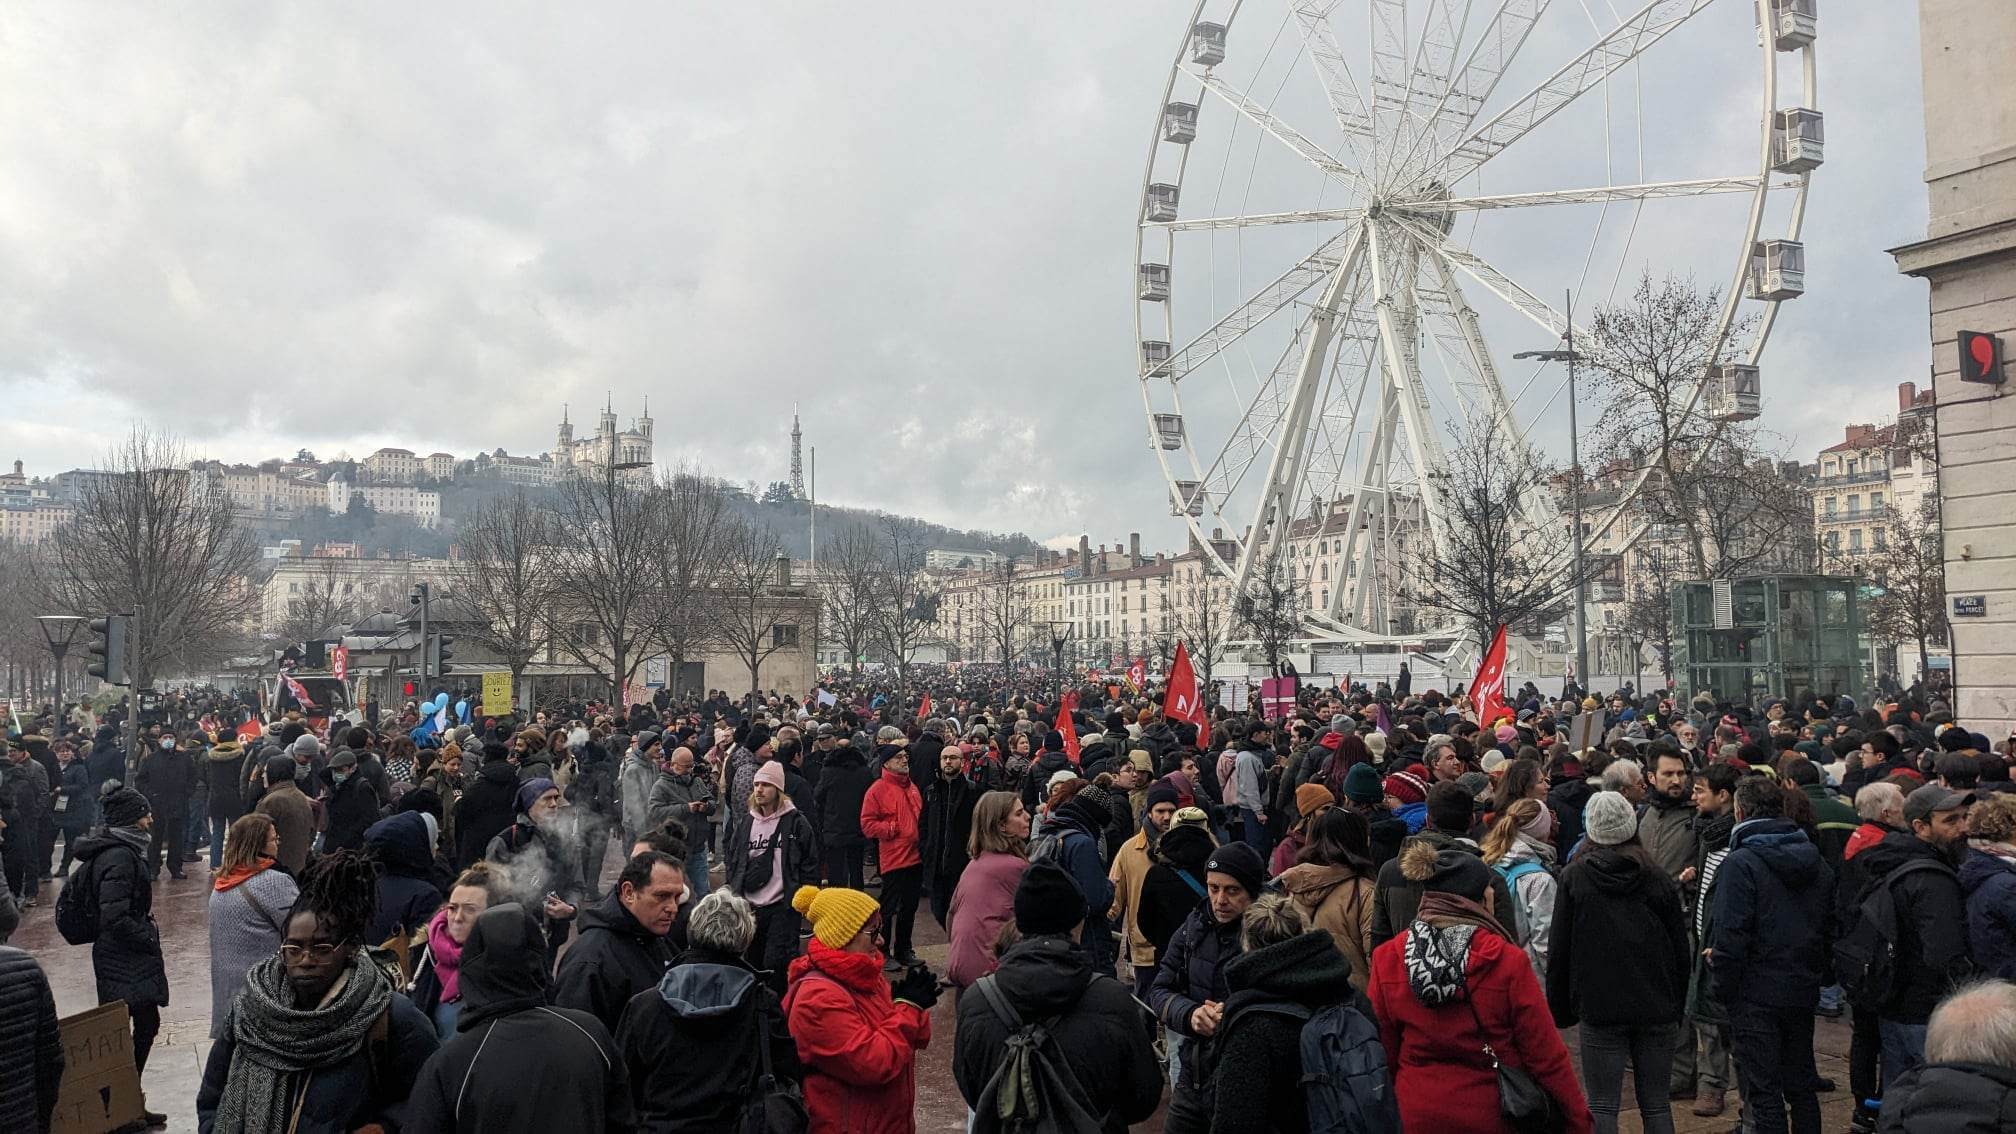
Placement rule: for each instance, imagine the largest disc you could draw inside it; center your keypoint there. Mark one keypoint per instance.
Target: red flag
(1069, 726)
(924, 707)
(1489, 688)
(1137, 674)
(300, 694)
(1184, 702)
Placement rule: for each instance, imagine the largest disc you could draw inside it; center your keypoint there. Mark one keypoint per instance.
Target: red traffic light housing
(1980, 357)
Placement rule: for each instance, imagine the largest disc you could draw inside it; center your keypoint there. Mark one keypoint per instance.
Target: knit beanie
(1160, 792)
(122, 806)
(1242, 863)
(306, 745)
(1190, 817)
(1361, 785)
(530, 791)
(1053, 741)
(771, 773)
(1609, 819)
(1450, 871)
(279, 770)
(1186, 845)
(1311, 798)
(1047, 900)
(1406, 787)
(836, 913)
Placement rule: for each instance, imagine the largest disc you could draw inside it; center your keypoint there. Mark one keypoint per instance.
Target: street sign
(1970, 606)
(496, 694)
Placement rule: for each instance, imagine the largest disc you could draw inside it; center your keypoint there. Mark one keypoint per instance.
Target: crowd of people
(1372, 913)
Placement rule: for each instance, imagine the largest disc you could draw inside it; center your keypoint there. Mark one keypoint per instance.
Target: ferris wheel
(1347, 201)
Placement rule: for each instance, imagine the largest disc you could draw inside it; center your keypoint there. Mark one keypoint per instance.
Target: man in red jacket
(889, 815)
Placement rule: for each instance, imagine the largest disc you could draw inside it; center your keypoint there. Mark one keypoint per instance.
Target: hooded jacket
(488, 806)
(1990, 882)
(1036, 783)
(1397, 897)
(1167, 893)
(1259, 1053)
(1931, 907)
(843, 784)
(1192, 971)
(1950, 1098)
(982, 903)
(613, 959)
(515, 1063)
(407, 895)
(1773, 918)
(890, 814)
(1338, 901)
(858, 1045)
(1619, 945)
(692, 1045)
(1102, 1035)
(671, 793)
(351, 808)
(31, 1048)
(126, 957)
(220, 775)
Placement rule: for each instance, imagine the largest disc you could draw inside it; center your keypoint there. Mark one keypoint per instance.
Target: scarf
(134, 838)
(239, 874)
(279, 1045)
(2001, 850)
(446, 956)
(1438, 946)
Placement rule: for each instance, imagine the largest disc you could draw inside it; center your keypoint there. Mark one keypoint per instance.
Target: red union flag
(300, 694)
(1137, 674)
(1068, 726)
(1183, 702)
(924, 707)
(1489, 688)
(339, 662)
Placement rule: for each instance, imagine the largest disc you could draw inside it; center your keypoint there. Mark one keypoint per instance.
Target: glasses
(295, 954)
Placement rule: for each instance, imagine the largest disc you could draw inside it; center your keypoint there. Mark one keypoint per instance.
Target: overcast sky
(273, 226)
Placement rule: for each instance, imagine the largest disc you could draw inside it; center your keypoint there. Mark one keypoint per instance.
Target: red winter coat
(889, 816)
(1441, 1077)
(858, 1046)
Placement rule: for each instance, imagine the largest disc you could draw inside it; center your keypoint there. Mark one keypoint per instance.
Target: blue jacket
(1991, 913)
(1773, 917)
(1078, 853)
(80, 809)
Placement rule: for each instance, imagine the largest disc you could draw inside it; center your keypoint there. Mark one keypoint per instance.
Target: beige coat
(1338, 901)
(1129, 871)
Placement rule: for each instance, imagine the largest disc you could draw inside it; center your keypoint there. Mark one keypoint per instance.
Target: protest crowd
(1365, 909)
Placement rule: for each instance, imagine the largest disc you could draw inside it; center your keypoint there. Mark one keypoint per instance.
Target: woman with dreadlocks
(317, 1040)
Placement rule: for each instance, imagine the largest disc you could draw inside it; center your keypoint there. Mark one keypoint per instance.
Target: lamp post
(1567, 354)
(1060, 633)
(60, 631)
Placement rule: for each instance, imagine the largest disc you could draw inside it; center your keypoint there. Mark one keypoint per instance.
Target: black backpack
(1033, 1089)
(1344, 1076)
(77, 901)
(1865, 959)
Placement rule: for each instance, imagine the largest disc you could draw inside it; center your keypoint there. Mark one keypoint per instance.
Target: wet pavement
(175, 1069)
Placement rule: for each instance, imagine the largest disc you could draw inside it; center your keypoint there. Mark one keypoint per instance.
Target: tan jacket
(1338, 901)
(1130, 870)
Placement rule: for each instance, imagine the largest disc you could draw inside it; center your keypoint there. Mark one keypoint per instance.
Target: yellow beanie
(836, 913)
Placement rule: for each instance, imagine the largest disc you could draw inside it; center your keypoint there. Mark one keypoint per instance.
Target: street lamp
(1568, 355)
(1060, 633)
(60, 631)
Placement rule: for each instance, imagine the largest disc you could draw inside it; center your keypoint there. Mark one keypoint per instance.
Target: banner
(924, 707)
(1068, 725)
(1489, 688)
(1137, 674)
(1184, 702)
(827, 698)
(1277, 697)
(497, 694)
(339, 662)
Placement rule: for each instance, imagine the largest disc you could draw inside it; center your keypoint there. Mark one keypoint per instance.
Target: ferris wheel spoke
(1257, 220)
(1403, 371)
(1262, 305)
(1651, 190)
(1624, 43)
(1493, 280)
(1467, 90)
(1272, 123)
(1340, 87)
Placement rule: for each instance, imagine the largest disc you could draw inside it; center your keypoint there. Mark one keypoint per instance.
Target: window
(1855, 540)
(783, 634)
(1831, 502)
(1851, 466)
(1879, 539)
(1833, 541)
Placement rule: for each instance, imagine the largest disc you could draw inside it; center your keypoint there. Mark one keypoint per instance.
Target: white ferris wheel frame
(1353, 261)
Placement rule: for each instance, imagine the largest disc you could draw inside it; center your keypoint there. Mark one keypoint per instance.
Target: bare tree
(905, 610)
(509, 574)
(604, 572)
(22, 597)
(1910, 569)
(1006, 623)
(1648, 610)
(1271, 611)
(746, 600)
(1496, 567)
(1649, 356)
(1206, 624)
(1747, 515)
(698, 528)
(323, 608)
(850, 575)
(153, 539)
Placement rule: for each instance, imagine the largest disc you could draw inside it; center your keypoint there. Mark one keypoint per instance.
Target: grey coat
(241, 935)
(669, 799)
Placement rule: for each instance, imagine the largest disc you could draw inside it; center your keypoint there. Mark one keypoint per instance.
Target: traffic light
(438, 654)
(108, 650)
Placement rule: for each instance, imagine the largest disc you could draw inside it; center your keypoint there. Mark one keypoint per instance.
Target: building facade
(588, 456)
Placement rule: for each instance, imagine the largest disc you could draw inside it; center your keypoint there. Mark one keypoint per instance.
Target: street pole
(1581, 627)
(421, 595)
(133, 669)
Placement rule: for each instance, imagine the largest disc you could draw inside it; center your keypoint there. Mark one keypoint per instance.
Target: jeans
(696, 873)
(1774, 1047)
(218, 829)
(1830, 1000)
(1254, 832)
(900, 890)
(1903, 1048)
(843, 865)
(1649, 1047)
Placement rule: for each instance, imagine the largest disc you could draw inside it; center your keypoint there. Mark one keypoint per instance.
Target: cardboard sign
(100, 1091)
(496, 694)
(1585, 731)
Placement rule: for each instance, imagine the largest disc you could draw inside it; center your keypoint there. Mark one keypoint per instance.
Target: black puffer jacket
(612, 960)
(515, 1063)
(31, 1050)
(166, 778)
(126, 958)
(1950, 1098)
(1932, 911)
(1167, 896)
(350, 809)
(843, 784)
(691, 1045)
(487, 807)
(945, 824)
(407, 895)
(221, 770)
(1191, 971)
(1258, 1054)
(1103, 1035)
(1618, 952)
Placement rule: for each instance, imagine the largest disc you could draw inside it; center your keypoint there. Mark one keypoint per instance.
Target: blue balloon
(440, 701)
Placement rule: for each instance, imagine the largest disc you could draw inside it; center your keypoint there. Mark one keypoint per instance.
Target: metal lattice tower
(797, 457)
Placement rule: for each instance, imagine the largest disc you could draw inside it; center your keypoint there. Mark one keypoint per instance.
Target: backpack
(1047, 847)
(77, 901)
(1033, 1089)
(1519, 870)
(1344, 1081)
(1865, 958)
